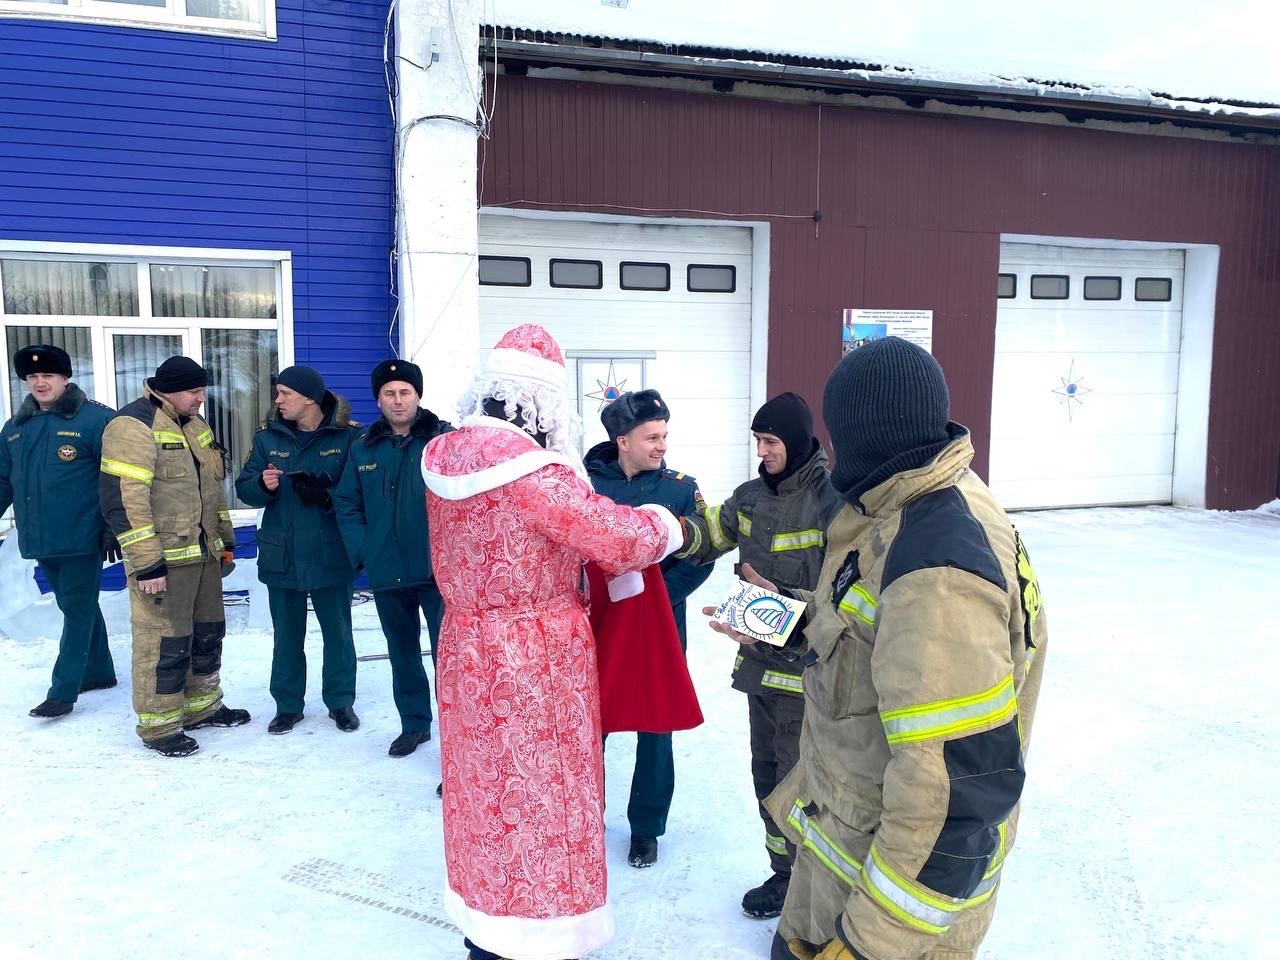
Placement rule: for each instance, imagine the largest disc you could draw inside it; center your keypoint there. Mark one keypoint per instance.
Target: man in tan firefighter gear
(162, 496)
(926, 647)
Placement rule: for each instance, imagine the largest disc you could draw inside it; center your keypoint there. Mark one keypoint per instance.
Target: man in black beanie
(777, 521)
(162, 496)
(381, 506)
(928, 636)
(296, 460)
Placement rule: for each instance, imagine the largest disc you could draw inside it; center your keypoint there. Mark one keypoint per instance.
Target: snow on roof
(740, 41)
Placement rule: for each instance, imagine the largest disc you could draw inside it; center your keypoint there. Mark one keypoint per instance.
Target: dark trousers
(652, 785)
(398, 614)
(332, 606)
(83, 653)
(775, 720)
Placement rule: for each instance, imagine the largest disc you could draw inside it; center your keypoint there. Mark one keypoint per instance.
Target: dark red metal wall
(913, 206)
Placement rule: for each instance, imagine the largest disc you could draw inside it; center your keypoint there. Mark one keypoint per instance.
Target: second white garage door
(1085, 386)
(637, 306)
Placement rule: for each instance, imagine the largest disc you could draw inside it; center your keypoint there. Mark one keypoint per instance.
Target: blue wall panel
(138, 136)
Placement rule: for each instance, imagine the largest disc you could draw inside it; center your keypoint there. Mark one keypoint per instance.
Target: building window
(1102, 288)
(1007, 286)
(712, 278)
(579, 274)
(1047, 286)
(505, 272)
(1157, 289)
(644, 276)
(119, 317)
(252, 18)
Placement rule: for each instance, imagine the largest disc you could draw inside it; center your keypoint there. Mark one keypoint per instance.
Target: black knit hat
(402, 370)
(303, 380)
(41, 358)
(632, 409)
(787, 417)
(887, 408)
(177, 374)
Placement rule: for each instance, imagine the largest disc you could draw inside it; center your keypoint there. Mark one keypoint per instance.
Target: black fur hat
(632, 409)
(41, 358)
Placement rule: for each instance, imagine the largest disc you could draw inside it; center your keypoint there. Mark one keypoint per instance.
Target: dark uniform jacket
(783, 536)
(161, 487)
(299, 546)
(49, 473)
(381, 504)
(678, 492)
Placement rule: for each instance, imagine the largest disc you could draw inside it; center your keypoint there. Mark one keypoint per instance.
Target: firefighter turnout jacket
(161, 487)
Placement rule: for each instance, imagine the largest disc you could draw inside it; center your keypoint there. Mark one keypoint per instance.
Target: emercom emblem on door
(600, 381)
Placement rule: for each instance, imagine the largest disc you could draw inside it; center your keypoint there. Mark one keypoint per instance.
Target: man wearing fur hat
(381, 504)
(161, 492)
(49, 458)
(777, 522)
(296, 460)
(927, 639)
(629, 468)
(512, 520)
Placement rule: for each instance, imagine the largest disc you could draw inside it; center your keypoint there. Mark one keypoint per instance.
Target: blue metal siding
(137, 136)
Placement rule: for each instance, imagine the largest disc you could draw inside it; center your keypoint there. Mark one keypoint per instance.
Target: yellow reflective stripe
(776, 845)
(201, 703)
(798, 540)
(776, 680)
(118, 468)
(224, 515)
(716, 531)
(218, 545)
(737, 662)
(908, 903)
(192, 552)
(822, 846)
(136, 535)
(858, 602)
(946, 717)
(205, 437)
(159, 719)
(168, 436)
(744, 525)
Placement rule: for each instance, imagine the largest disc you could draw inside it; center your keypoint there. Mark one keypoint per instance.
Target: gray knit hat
(887, 408)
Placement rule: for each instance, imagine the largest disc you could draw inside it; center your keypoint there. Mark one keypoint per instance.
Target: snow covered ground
(1151, 825)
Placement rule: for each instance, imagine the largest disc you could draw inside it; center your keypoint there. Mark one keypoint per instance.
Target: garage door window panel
(712, 278)
(506, 272)
(1102, 288)
(1153, 289)
(1007, 286)
(577, 274)
(644, 276)
(1050, 286)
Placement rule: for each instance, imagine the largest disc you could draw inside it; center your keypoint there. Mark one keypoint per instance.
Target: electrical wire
(619, 206)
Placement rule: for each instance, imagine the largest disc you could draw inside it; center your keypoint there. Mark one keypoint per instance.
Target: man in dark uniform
(49, 456)
(381, 504)
(629, 469)
(297, 458)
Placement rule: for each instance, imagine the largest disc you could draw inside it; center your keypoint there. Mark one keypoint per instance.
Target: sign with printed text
(759, 613)
(862, 326)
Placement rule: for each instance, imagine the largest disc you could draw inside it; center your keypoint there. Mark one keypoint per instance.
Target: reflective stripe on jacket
(161, 486)
(926, 646)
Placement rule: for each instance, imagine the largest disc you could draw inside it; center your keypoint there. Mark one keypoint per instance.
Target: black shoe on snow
(283, 722)
(406, 743)
(345, 719)
(224, 716)
(174, 745)
(51, 709)
(98, 685)
(766, 900)
(440, 789)
(643, 852)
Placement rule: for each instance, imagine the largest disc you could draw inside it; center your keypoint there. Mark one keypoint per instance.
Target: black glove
(312, 489)
(111, 551)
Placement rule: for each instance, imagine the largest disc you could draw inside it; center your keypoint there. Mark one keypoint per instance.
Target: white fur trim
(626, 586)
(461, 486)
(528, 938)
(504, 363)
(675, 533)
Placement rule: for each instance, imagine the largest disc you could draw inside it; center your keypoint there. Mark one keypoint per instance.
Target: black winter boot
(224, 716)
(643, 852)
(174, 745)
(345, 719)
(283, 722)
(97, 685)
(51, 709)
(766, 900)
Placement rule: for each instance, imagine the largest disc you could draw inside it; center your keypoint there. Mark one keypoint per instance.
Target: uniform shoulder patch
(939, 530)
(682, 477)
(262, 425)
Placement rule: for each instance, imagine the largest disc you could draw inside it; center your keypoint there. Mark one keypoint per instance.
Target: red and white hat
(527, 353)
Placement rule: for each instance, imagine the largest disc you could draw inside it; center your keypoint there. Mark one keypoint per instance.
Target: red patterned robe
(519, 702)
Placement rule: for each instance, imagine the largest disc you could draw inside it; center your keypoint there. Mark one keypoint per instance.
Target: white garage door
(637, 306)
(1085, 386)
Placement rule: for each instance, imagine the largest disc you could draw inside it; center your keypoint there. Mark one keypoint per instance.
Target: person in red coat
(512, 519)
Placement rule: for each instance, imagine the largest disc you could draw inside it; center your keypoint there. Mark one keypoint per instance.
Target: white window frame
(171, 16)
(101, 328)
